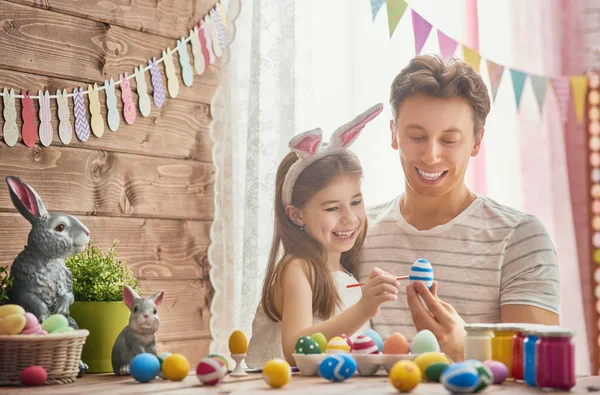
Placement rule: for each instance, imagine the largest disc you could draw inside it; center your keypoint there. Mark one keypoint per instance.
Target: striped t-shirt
(487, 256)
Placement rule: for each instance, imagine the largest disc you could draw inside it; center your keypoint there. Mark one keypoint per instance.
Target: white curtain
(297, 65)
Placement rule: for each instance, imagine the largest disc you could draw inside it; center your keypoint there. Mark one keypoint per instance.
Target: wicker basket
(59, 354)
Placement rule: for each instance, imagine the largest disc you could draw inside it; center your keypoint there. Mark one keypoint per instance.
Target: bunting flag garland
(207, 39)
(566, 88)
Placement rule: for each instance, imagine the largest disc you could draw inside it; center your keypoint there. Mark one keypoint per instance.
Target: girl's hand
(381, 287)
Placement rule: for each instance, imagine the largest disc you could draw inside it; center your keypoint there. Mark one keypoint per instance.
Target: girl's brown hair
(290, 242)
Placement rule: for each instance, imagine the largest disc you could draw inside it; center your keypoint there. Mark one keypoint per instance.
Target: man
(491, 263)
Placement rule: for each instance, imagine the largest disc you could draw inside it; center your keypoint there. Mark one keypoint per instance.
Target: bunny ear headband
(309, 147)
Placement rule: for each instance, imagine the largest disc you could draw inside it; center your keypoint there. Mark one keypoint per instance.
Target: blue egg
(338, 367)
(376, 338)
(421, 270)
(461, 377)
(144, 367)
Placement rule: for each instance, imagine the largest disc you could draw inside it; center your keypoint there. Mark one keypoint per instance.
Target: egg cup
(308, 364)
(238, 371)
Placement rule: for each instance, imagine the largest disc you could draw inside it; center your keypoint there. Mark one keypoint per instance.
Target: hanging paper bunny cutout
(203, 45)
(184, 61)
(129, 112)
(46, 131)
(10, 130)
(205, 28)
(214, 35)
(157, 84)
(65, 130)
(97, 122)
(142, 90)
(172, 81)
(28, 113)
(113, 118)
(82, 126)
(197, 51)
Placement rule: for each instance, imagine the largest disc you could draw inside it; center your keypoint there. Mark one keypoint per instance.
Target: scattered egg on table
(321, 340)
(424, 341)
(429, 358)
(396, 344)
(175, 367)
(486, 376)
(12, 324)
(277, 372)
(55, 322)
(422, 271)
(434, 371)
(211, 371)
(347, 338)
(338, 367)
(405, 375)
(144, 367)
(306, 345)
(238, 344)
(222, 358)
(363, 344)
(460, 377)
(376, 338)
(33, 375)
(337, 345)
(498, 369)
(161, 359)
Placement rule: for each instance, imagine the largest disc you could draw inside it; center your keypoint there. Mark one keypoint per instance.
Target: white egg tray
(367, 364)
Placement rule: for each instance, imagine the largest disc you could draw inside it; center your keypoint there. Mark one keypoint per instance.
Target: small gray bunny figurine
(138, 336)
(42, 284)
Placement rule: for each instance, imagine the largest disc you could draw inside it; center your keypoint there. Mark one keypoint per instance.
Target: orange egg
(396, 344)
(238, 344)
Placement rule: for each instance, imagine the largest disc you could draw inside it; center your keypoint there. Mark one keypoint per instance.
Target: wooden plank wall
(149, 184)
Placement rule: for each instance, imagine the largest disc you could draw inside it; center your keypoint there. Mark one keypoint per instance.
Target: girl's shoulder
(293, 266)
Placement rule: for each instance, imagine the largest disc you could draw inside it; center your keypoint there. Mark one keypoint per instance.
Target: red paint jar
(555, 358)
(517, 355)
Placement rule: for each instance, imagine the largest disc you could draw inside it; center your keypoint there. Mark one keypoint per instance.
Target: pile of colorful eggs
(146, 367)
(14, 320)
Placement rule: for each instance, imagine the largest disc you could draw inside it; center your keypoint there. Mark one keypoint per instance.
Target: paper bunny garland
(309, 147)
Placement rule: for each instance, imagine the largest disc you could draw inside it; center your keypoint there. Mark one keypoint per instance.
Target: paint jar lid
(511, 327)
(554, 331)
(480, 327)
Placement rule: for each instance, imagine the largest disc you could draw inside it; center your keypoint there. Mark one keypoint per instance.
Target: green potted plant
(5, 284)
(98, 280)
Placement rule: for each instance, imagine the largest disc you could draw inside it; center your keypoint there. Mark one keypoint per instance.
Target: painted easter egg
(485, 374)
(364, 345)
(396, 344)
(498, 369)
(435, 370)
(405, 375)
(429, 358)
(33, 375)
(175, 367)
(321, 340)
(11, 309)
(32, 325)
(306, 345)
(424, 341)
(337, 345)
(144, 367)
(12, 324)
(161, 359)
(222, 358)
(460, 377)
(55, 322)
(211, 371)
(277, 373)
(347, 338)
(421, 270)
(376, 338)
(238, 344)
(338, 367)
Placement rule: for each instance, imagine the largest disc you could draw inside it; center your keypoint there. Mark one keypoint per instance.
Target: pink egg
(32, 325)
(33, 375)
(498, 369)
(363, 344)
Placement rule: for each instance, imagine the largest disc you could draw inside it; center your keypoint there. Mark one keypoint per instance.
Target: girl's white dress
(265, 342)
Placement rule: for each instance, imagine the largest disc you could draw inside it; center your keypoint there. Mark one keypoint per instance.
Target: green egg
(55, 322)
(67, 329)
(321, 341)
(306, 345)
(435, 370)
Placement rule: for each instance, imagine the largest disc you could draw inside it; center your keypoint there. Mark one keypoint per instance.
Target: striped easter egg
(460, 378)
(337, 345)
(421, 270)
(363, 344)
(338, 367)
(211, 371)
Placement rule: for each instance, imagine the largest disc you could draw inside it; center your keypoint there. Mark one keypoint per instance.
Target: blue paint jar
(529, 372)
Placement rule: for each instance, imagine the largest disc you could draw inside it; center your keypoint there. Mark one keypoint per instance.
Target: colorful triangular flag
(375, 6)
(472, 58)
(518, 79)
(562, 90)
(395, 9)
(540, 87)
(421, 29)
(579, 86)
(447, 45)
(495, 72)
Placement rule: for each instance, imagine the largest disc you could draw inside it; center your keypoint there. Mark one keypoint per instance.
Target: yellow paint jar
(502, 343)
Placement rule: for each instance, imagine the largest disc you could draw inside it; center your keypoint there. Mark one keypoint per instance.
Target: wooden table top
(254, 384)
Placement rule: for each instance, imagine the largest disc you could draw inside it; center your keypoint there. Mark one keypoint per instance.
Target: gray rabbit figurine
(138, 336)
(42, 284)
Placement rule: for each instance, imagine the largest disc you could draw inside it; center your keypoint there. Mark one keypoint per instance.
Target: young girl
(320, 226)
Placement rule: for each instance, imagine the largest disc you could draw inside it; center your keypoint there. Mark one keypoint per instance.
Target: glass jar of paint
(529, 344)
(478, 341)
(555, 358)
(502, 344)
(518, 352)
